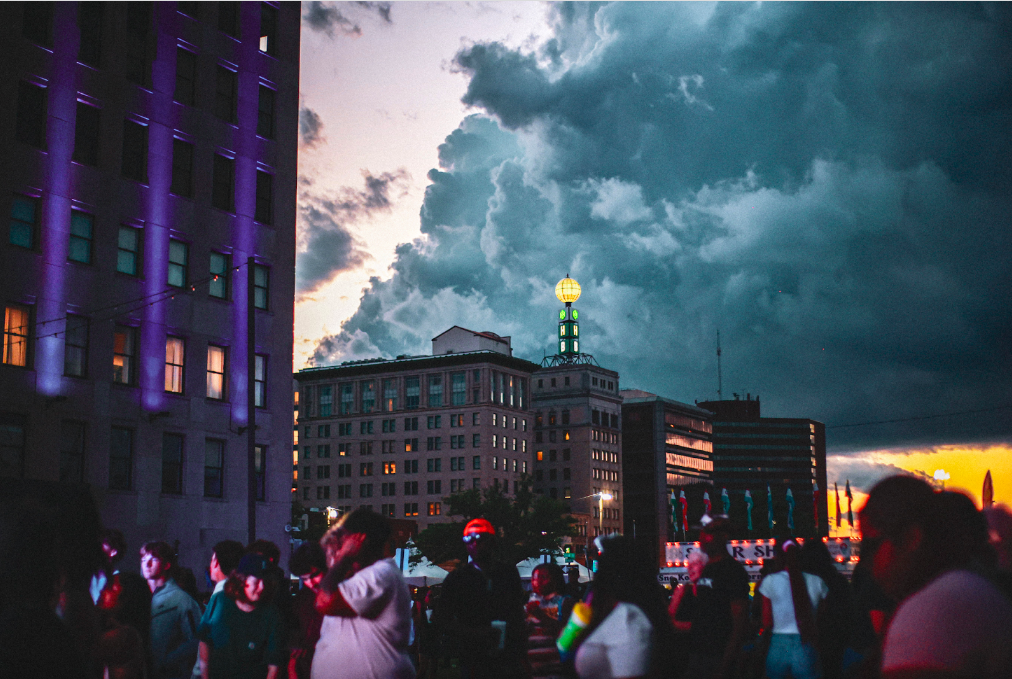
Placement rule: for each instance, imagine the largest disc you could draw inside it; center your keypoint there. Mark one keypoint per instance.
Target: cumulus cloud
(327, 245)
(836, 205)
(310, 127)
(327, 17)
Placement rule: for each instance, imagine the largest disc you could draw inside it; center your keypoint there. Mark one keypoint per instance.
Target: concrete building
(149, 152)
(752, 453)
(399, 435)
(666, 448)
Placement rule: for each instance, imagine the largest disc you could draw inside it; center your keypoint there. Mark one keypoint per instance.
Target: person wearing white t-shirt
(365, 603)
(790, 616)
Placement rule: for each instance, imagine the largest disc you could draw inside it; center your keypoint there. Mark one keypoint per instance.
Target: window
(86, 134)
(322, 431)
(24, 221)
(186, 77)
(261, 286)
(223, 183)
(457, 420)
(16, 335)
(326, 398)
(265, 113)
(344, 492)
(124, 342)
(434, 508)
(389, 467)
(475, 419)
(434, 487)
(172, 463)
(387, 510)
(457, 441)
(260, 382)
(434, 421)
(433, 443)
(411, 487)
(220, 268)
(214, 468)
(12, 445)
(390, 400)
(347, 398)
(264, 211)
(476, 462)
(344, 428)
(365, 469)
(565, 474)
(475, 440)
(226, 88)
(365, 490)
(135, 151)
(434, 464)
(215, 372)
(89, 20)
(121, 458)
(410, 445)
(178, 259)
(71, 451)
(458, 386)
(31, 123)
(495, 440)
(412, 392)
(410, 424)
(260, 471)
(323, 452)
(566, 452)
(323, 471)
(410, 509)
(476, 387)
(174, 353)
(136, 57)
(128, 251)
(368, 388)
(435, 390)
(82, 226)
(228, 18)
(182, 168)
(365, 427)
(268, 29)
(344, 471)
(190, 9)
(37, 22)
(75, 347)
(323, 492)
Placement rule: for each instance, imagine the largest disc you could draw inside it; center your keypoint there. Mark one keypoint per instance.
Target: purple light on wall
(51, 302)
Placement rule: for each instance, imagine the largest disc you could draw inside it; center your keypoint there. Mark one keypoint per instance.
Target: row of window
(604, 384)
(553, 454)
(604, 474)
(31, 130)
(37, 26)
(603, 456)
(604, 436)
(125, 355)
(552, 436)
(362, 396)
(553, 474)
(389, 426)
(73, 444)
(23, 232)
(598, 417)
(432, 465)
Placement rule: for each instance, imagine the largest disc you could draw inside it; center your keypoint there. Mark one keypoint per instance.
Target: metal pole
(600, 515)
(251, 431)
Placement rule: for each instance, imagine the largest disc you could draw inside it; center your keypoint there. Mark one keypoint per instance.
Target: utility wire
(149, 300)
(923, 417)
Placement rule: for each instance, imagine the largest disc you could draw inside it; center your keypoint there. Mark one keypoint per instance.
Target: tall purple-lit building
(149, 152)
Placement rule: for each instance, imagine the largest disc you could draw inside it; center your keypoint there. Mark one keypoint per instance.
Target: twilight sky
(828, 185)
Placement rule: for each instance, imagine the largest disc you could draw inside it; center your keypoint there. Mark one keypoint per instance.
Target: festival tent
(421, 574)
(526, 567)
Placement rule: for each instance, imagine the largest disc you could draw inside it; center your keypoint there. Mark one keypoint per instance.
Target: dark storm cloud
(826, 184)
(382, 9)
(326, 245)
(310, 127)
(328, 17)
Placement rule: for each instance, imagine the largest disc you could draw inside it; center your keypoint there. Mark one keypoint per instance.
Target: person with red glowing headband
(481, 610)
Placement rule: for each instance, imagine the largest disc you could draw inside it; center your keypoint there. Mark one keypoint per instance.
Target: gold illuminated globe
(567, 290)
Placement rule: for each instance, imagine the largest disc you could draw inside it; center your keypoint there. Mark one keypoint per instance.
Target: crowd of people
(931, 597)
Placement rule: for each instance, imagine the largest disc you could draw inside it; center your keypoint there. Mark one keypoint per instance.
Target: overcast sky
(827, 185)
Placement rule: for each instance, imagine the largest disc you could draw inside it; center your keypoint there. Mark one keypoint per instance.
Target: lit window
(128, 251)
(178, 256)
(215, 372)
(174, 353)
(124, 341)
(268, 29)
(81, 231)
(16, 335)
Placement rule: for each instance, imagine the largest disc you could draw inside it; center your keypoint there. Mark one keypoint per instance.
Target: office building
(399, 435)
(753, 453)
(666, 449)
(149, 184)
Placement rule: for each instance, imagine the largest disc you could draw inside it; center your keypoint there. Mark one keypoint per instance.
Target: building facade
(666, 449)
(578, 443)
(149, 181)
(397, 436)
(754, 453)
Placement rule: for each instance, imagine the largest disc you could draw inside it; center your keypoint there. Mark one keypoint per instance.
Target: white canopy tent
(527, 566)
(421, 574)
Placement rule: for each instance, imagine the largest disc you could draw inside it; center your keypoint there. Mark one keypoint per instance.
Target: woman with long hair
(241, 631)
(629, 634)
(790, 599)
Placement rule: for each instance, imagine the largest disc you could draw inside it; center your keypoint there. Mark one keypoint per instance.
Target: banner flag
(674, 512)
(850, 506)
(769, 508)
(748, 506)
(725, 501)
(707, 507)
(790, 511)
(839, 517)
(685, 512)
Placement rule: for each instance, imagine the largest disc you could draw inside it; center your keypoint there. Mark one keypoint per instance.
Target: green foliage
(528, 525)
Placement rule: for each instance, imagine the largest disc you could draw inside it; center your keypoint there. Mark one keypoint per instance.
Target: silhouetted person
(174, 615)
(309, 563)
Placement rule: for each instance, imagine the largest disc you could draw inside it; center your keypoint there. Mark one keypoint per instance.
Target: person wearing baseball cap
(481, 609)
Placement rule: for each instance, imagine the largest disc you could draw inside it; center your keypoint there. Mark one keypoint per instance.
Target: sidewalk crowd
(930, 598)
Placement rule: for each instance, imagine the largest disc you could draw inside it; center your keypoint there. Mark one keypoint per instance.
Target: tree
(528, 525)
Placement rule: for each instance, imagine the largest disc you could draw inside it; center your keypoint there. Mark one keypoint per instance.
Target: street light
(600, 510)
